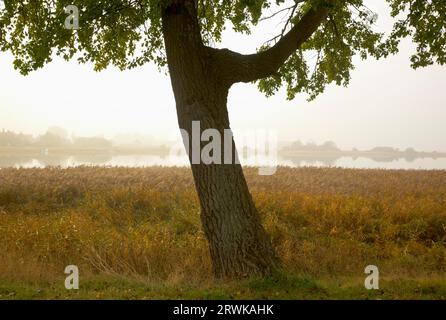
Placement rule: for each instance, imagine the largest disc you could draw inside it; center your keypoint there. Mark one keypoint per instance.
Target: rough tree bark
(201, 78)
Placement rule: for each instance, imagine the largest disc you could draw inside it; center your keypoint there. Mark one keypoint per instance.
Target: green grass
(281, 288)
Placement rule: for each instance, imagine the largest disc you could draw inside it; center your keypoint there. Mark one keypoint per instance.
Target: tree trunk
(239, 245)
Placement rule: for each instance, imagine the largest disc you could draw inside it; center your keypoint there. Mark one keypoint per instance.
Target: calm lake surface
(41, 161)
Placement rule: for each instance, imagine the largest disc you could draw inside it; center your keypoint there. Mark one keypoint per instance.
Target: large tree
(312, 49)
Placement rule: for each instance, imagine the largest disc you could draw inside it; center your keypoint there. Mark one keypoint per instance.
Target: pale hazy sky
(387, 103)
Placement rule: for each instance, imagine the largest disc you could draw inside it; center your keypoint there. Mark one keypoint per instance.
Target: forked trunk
(239, 245)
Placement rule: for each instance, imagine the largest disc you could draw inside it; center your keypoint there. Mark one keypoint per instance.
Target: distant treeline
(50, 139)
(331, 147)
(310, 146)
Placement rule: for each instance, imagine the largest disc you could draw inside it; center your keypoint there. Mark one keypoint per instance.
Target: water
(367, 163)
(66, 161)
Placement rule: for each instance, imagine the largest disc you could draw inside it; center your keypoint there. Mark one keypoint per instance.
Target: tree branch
(237, 67)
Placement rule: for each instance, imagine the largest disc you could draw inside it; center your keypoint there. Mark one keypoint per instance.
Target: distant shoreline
(366, 154)
(35, 151)
(164, 150)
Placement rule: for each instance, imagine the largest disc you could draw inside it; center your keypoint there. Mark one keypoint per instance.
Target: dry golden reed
(144, 223)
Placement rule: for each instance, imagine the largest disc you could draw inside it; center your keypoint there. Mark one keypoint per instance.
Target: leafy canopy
(128, 33)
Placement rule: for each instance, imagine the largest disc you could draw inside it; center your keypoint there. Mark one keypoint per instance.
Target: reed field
(135, 233)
